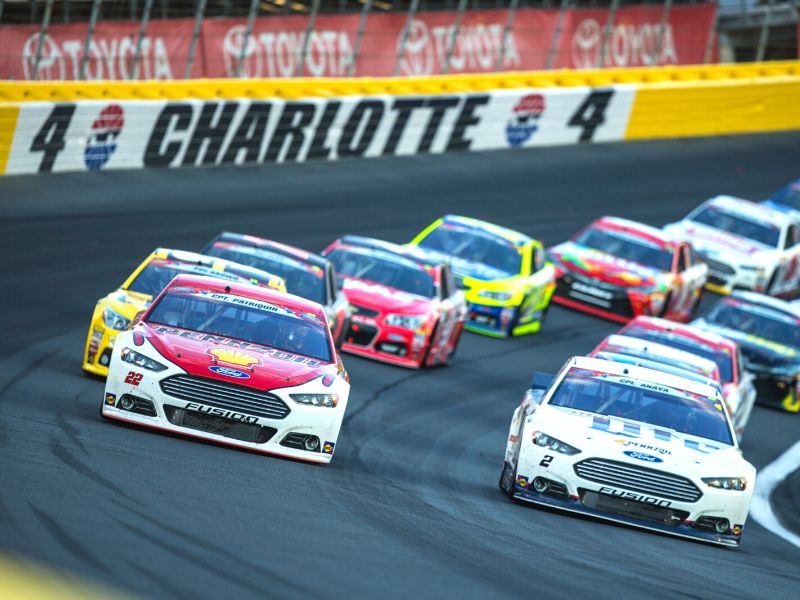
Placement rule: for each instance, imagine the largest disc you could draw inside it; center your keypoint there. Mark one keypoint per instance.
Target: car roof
(416, 255)
(791, 309)
(750, 210)
(247, 290)
(510, 235)
(228, 266)
(702, 335)
(646, 232)
(651, 349)
(645, 374)
(252, 241)
(654, 364)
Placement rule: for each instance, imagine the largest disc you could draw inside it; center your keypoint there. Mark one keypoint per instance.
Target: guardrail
(105, 125)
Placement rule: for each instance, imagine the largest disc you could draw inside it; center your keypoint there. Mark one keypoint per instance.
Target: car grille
(638, 479)
(613, 299)
(363, 311)
(225, 395)
(245, 432)
(717, 266)
(669, 517)
(360, 334)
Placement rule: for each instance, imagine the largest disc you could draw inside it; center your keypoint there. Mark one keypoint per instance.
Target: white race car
(746, 245)
(231, 363)
(631, 445)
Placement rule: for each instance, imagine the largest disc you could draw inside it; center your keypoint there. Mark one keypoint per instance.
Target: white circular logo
(586, 44)
(418, 53)
(232, 50)
(51, 61)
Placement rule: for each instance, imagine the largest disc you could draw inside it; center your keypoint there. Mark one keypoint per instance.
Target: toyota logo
(51, 62)
(232, 50)
(586, 44)
(418, 54)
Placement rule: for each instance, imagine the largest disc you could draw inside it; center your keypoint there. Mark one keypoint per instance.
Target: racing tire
(665, 309)
(452, 352)
(771, 283)
(507, 477)
(427, 354)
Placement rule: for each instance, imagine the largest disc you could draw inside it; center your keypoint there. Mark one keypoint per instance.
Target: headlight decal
(140, 360)
(114, 320)
(412, 322)
(546, 441)
(737, 484)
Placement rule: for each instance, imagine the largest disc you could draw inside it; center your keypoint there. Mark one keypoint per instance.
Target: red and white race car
(618, 269)
(231, 363)
(407, 309)
(738, 389)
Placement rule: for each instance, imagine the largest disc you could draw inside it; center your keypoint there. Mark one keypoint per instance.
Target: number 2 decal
(545, 462)
(133, 378)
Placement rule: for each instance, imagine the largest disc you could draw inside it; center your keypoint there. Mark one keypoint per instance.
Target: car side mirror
(135, 320)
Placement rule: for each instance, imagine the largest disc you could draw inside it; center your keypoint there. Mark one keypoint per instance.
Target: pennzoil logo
(234, 357)
(327, 447)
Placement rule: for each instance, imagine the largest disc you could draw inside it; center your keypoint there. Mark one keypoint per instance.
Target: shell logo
(234, 357)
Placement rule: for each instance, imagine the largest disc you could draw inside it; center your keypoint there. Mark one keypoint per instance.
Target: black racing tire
(452, 352)
(507, 477)
(667, 301)
(771, 284)
(426, 355)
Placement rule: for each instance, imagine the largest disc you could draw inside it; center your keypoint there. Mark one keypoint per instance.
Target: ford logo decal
(642, 456)
(228, 372)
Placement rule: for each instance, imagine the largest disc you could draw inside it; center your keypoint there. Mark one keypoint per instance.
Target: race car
(113, 313)
(746, 245)
(632, 445)
(768, 332)
(618, 269)
(786, 199)
(232, 363)
(407, 309)
(737, 383)
(506, 281)
(306, 274)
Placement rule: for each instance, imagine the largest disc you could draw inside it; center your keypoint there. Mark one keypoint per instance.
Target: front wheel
(506, 483)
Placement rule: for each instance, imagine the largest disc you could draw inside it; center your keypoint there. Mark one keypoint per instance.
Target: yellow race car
(114, 312)
(504, 275)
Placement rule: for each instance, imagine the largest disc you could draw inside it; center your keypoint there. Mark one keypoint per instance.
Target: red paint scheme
(431, 344)
(273, 368)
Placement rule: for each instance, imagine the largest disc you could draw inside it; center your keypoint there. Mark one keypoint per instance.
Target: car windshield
(241, 318)
(759, 321)
(475, 246)
(383, 268)
(645, 402)
(629, 247)
(721, 356)
(718, 218)
(790, 195)
(301, 279)
(158, 273)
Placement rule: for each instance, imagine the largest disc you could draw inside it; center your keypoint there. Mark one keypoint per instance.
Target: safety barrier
(104, 125)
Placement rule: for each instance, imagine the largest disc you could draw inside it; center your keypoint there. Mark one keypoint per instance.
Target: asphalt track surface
(410, 506)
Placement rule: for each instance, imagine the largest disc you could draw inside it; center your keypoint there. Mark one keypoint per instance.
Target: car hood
(128, 303)
(234, 361)
(717, 243)
(603, 266)
(383, 298)
(628, 441)
(756, 350)
(467, 269)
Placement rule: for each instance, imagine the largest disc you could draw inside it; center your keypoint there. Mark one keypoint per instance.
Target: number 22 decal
(133, 378)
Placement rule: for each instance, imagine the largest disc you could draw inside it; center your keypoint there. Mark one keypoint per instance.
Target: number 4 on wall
(591, 113)
(50, 138)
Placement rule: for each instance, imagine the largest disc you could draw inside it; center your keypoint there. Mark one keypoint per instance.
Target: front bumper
(777, 392)
(394, 345)
(216, 419)
(724, 277)
(493, 320)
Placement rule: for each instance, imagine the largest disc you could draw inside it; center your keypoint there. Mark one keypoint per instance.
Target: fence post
(137, 55)
(562, 14)
(248, 31)
(362, 25)
(87, 43)
(48, 10)
(764, 35)
(712, 35)
(507, 29)
(612, 14)
(662, 26)
(199, 13)
(451, 42)
(312, 19)
(412, 11)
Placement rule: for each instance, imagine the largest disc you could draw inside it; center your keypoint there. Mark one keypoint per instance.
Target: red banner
(276, 44)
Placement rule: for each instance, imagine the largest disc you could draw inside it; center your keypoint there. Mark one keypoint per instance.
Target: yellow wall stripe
(8, 126)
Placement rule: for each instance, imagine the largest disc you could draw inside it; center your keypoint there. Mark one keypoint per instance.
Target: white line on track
(768, 479)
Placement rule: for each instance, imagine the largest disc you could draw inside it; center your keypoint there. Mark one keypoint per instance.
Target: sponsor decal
(592, 290)
(228, 372)
(233, 357)
(632, 444)
(522, 481)
(524, 120)
(221, 412)
(630, 44)
(327, 447)
(101, 142)
(327, 380)
(133, 378)
(111, 399)
(138, 339)
(642, 456)
(633, 496)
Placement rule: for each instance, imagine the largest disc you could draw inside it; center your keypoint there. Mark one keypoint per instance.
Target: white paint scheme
(574, 427)
(740, 262)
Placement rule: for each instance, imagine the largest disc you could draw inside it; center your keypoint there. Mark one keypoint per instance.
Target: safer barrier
(66, 127)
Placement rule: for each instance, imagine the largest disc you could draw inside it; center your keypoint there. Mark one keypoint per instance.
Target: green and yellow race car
(505, 277)
(114, 312)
